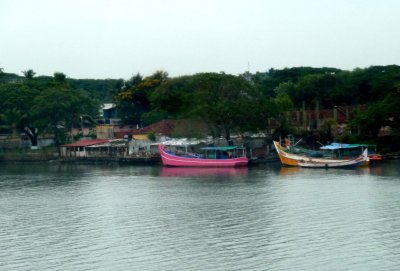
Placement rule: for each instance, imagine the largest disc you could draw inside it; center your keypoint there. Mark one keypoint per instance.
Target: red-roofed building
(78, 148)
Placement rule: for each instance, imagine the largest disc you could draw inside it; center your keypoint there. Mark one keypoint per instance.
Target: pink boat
(212, 157)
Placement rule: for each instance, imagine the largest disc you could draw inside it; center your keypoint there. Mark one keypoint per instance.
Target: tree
(283, 104)
(134, 101)
(314, 87)
(29, 74)
(343, 93)
(16, 101)
(56, 109)
(59, 77)
(29, 129)
(133, 81)
(225, 102)
(170, 100)
(371, 121)
(268, 81)
(391, 104)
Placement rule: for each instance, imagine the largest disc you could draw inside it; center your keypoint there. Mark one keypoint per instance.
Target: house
(108, 114)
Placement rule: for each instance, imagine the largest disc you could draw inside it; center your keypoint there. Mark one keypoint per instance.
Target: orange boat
(288, 158)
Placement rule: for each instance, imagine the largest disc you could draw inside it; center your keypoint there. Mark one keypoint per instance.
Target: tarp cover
(336, 146)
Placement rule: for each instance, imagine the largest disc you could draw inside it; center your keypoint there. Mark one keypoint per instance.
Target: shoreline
(53, 157)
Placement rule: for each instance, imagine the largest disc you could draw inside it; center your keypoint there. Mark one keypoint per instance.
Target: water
(91, 217)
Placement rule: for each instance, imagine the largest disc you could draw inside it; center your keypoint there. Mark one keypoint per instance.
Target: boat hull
(180, 161)
(344, 164)
(295, 160)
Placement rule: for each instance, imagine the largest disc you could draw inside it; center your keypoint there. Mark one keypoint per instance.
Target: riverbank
(51, 155)
(151, 160)
(29, 156)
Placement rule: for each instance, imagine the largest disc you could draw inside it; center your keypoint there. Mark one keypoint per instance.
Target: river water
(108, 217)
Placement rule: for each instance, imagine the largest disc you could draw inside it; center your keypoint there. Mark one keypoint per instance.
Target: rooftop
(86, 142)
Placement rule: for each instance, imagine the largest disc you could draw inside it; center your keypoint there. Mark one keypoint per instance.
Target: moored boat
(229, 156)
(303, 160)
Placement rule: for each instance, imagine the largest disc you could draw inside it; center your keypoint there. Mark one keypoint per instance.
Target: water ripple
(124, 218)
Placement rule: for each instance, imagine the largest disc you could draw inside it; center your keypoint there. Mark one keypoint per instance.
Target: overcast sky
(119, 38)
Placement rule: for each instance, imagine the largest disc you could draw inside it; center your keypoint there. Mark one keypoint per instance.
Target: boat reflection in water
(289, 170)
(203, 171)
(292, 171)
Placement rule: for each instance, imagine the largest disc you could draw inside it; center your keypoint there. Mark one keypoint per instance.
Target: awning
(87, 142)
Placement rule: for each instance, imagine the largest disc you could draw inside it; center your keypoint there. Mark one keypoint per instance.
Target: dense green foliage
(43, 105)
(331, 86)
(227, 103)
(133, 99)
(101, 89)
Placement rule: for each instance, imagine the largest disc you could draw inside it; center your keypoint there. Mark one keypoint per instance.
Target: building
(108, 114)
(80, 148)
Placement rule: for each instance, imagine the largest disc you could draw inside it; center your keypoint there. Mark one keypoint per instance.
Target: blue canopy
(336, 146)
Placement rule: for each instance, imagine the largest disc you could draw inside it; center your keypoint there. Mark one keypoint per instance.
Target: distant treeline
(101, 89)
(227, 103)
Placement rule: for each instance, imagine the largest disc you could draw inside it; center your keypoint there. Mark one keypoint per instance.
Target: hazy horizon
(104, 39)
